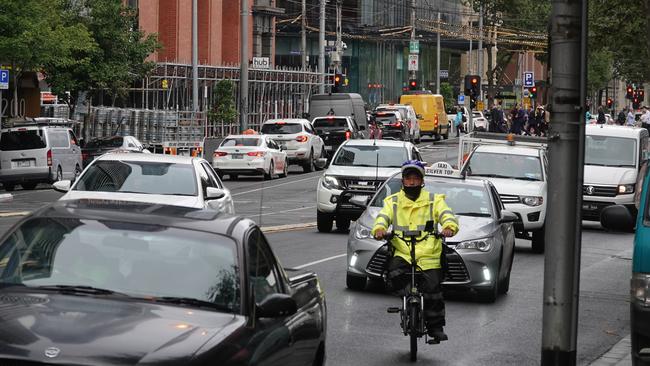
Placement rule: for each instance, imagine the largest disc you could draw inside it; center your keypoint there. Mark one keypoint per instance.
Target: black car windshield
(386, 118)
(103, 143)
(22, 140)
(462, 198)
(139, 260)
(139, 177)
(610, 151)
(241, 141)
(509, 166)
(331, 122)
(370, 156)
(281, 128)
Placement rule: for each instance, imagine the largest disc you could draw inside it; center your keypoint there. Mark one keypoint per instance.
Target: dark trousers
(399, 274)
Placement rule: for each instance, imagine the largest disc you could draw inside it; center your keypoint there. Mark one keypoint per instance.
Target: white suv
(303, 146)
(357, 169)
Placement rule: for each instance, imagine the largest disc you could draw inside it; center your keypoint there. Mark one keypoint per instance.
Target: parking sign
(529, 79)
(4, 79)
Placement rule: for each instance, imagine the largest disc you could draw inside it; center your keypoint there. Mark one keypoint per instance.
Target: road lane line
(317, 262)
(14, 213)
(273, 186)
(289, 227)
(276, 212)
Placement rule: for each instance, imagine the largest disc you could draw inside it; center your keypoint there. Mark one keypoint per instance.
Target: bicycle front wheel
(414, 330)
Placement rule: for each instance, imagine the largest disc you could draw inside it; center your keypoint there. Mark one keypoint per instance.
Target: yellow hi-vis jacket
(405, 214)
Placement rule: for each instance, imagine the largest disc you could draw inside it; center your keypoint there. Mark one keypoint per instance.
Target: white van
(613, 156)
(42, 150)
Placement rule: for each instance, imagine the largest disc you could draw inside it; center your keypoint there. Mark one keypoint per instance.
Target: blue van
(619, 218)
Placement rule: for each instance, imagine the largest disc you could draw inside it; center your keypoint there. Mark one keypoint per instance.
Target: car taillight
(436, 119)
(302, 138)
(49, 157)
(398, 124)
(218, 154)
(348, 134)
(258, 154)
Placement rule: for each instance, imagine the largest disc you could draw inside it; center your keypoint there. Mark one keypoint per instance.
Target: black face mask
(412, 192)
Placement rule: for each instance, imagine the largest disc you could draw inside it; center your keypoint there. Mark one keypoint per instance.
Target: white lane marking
(14, 213)
(277, 185)
(289, 227)
(318, 261)
(253, 215)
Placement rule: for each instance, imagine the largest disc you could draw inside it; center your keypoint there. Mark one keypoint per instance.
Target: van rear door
(23, 148)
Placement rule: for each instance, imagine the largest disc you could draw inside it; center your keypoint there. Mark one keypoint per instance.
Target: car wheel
(29, 186)
(356, 283)
(233, 176)
(319, 359)
(9, 187)
(309, 165)
(285, 170)
(342, 225)
(538, 241)
(269, 175)
(446, 135)
(490, 295)
(324, 222)
(504, 286)
(323, 155)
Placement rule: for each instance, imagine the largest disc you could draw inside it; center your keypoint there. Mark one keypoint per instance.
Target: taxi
(479, 256)
(250, 154)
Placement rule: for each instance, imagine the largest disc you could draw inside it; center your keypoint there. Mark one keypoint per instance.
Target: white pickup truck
(518, 168)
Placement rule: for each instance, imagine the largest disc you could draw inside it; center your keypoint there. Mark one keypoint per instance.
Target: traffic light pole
(243, 72)
(321, 48)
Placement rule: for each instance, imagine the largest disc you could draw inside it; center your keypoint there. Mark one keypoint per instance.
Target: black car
(101, 145)
(392, 125)
(114, 283)
(336, 129)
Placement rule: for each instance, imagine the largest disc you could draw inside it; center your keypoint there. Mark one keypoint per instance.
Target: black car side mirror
(276, 305)
(508, 217)
(617, 218)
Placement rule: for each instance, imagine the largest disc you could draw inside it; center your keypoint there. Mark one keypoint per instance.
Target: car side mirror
(276, 305)
(213, 193)
(418, 116)
(360, 201)
(321, 163)
(362, 128)
(283, 147)
(62, 186)
(508, 217)
(617, 218)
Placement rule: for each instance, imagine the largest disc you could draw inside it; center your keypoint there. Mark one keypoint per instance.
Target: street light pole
(303, 36)
(438, 56)
(243, 72)
(321, 49)
(195, 63)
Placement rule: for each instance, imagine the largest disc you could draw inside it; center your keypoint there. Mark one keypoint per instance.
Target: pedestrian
(630, 118)
(494, 118)
(536, 121)
(645, 118)
(587, 116)
(620, 119)
(601, 116)
(458, 121)
(518, 120)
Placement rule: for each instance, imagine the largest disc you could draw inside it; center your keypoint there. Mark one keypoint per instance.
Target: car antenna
(374, 143)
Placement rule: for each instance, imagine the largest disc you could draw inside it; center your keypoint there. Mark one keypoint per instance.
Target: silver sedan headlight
(362, 232)
(640, 289)
(532, 200)
(330, 182)
(483, 245)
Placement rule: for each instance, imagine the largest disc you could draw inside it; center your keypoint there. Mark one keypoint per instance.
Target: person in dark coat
(601, 116)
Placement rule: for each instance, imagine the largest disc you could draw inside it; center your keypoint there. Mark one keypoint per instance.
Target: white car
(303, 146)
(520, 175)
(357, 168)
(150, 178)
(409, 115)
(480, 122)
(250, 155)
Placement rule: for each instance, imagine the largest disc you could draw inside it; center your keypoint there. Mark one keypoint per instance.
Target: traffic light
(641, 93)
(610, 103)
(338, 79)
(635, 103)
(630, 92)
(472, 85)
(532, 92)
(413, 84)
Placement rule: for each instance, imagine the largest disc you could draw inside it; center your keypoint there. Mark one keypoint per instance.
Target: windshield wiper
(526, 178)
(192, 302)
(491, 175)
(81, 290)
(474, 214)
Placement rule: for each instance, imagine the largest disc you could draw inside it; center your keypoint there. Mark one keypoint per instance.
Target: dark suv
(336, 129)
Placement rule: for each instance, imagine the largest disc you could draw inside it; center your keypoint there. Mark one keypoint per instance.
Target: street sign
(261, 63)
(444, 74)
(479, 105)
(4, 79)
(526, 93)
(529, 79)
(414, 47)
(413, 62)
(461, 99)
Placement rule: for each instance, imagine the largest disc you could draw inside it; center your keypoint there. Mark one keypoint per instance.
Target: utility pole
(469, 58)
(243, 72)
(480, 50)
(195, 63)
(303, 36)
(566, 161)
(337, 55)
(321, 48)
(413, 75)
(438, 56)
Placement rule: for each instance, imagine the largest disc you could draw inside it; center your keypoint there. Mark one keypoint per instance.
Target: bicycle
(412, 310)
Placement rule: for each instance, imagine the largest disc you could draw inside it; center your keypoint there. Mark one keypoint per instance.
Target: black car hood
(102, 331)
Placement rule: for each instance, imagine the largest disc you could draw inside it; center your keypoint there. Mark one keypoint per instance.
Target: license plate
(237, 156)
(23, 163)
(328, 147)
(589, 207)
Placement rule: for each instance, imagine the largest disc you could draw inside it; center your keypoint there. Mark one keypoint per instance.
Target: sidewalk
(618, 355)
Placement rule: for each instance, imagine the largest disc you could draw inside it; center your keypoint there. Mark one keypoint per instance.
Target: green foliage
(599, 70)
(223, 103)
(447, 93)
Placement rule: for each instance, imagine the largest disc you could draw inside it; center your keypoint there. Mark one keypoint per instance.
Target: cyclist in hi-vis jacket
(410, 209)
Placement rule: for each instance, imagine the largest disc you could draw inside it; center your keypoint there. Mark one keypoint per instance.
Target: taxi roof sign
(441, 169)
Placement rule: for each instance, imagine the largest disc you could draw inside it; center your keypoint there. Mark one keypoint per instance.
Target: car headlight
(626, 188)
(532, 200)
(330, 182)
(362, 232)
(482, 245)
(640, 289)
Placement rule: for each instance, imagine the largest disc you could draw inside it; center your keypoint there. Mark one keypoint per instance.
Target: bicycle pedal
(433, 341)
(393, 310)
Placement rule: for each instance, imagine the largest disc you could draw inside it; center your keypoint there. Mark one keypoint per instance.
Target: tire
(504, 286)
(324, 222)
(446, 135)
(9, 187)
(413, 330)
(356, 283)
(285, 170)
(309, 165)
(342, 225)
(319, 359)
(323, 155)
(29, 186)
(538, 241)
(269, 175)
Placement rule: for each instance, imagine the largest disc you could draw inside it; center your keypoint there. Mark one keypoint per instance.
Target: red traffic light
(337, 79)
(474, 80)
(533, 89)
(414, 83)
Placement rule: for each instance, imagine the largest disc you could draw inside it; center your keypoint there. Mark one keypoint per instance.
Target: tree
(447, 93)
(118, 59)
(34, 33)
(223, 103)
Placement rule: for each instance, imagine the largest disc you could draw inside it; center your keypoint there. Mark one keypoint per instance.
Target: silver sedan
(480, 255)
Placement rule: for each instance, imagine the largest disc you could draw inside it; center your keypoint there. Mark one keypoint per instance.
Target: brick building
(218, 29)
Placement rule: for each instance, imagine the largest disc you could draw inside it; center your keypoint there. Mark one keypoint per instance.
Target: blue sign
(4, 79)
(461, 99)
(529, 79)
